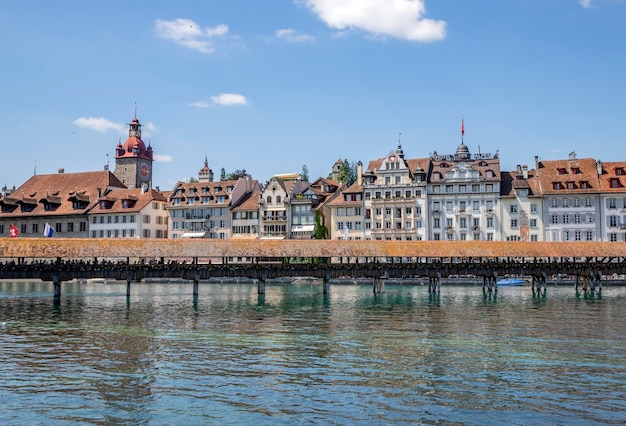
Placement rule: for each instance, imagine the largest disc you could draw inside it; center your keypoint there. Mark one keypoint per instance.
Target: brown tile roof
(250, 202)
(59, 191)
(515, 180)
(137, 200)
(613, 178)
(195, 190)
(572, 176)
(340, 200)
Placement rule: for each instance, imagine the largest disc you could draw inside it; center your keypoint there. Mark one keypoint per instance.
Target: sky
(270, 86)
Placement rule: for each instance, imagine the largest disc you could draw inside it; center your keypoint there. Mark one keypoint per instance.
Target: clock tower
(133, 161)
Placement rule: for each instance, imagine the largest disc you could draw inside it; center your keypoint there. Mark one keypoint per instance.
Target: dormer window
(584, 185)
(576, 171)
(571, 185)
(437, 176)
(489, 173)
(619, 171)
(615, 183)
(556, 186)
(561, 170)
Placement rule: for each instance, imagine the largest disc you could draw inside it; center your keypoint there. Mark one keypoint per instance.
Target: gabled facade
(201, 209)
(463, 193)
(571, 198)
(273, 211)
(62, 200)
(129, 213)
(612, 180)
(520, 207)
(394, 193)
(347, 214)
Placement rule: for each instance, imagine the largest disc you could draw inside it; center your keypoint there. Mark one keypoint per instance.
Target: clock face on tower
(144, 170)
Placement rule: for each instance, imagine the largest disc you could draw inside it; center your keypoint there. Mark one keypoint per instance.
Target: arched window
(269, 199)
(278, 198)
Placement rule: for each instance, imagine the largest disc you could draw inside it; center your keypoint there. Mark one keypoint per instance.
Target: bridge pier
(128, 280)
(326, 283)
(539, 285)
(379, 283)
(490, 283)
(56, 281)
(261, 285)
(196, 281)
(434, 283)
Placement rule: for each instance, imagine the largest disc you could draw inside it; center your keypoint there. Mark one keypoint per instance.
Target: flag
(47, 230)
(462, 127)
(13, 232)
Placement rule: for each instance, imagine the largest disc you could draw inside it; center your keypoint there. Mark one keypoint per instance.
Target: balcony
(274, 218)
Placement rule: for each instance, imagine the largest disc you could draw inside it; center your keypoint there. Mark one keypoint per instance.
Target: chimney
(359, 173)
(61, 170)
(599, 167)
(518, 168)
(525, 171)
(537, 163)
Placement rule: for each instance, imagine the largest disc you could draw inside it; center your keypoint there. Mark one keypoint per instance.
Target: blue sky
(269, 86)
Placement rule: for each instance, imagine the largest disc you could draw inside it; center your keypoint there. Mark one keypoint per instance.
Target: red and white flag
(13, 232)
(462, 127)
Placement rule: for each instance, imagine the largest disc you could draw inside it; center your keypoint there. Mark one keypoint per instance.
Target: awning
(194, 234)
(302, 228)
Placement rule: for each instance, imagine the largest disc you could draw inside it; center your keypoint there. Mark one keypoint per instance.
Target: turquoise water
(299, 357)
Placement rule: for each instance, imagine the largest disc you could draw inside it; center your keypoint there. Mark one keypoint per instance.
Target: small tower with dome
(133, 160)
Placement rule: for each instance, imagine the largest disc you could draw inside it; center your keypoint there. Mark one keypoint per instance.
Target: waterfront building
(571, 198)
(347, 214)
(129, 213)
(520, 207)
(61, 200)
(200, 209)
(463, 194)
(612, 179)
(245, 217)
(394, 197)
(133, 160)
(273, 206)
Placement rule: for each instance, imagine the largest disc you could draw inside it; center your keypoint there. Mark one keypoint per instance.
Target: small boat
(511, 282)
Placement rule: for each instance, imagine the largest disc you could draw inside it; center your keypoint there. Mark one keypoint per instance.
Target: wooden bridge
(199, 259)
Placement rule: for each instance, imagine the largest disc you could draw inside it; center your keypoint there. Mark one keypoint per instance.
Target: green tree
(321, 231)
(305, 173)
(344, 172)
(223, 174)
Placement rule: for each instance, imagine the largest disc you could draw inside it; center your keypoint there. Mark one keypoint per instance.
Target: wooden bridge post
(379, 283)
(326, 283)
(196, 280)
(56, 280)
(128, 280)
(261, 285)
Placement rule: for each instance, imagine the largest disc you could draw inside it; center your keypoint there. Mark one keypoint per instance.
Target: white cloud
(101, 124)
(163, 158)
(228, 99)
(188, 33)
(289, 34)
(200, 104)
(402, 19)
(585, 3)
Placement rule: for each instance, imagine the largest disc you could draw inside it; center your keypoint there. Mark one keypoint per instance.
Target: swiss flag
(13, 232)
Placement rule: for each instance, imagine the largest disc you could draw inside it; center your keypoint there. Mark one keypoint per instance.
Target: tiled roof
(515, 180)
(58, 192)
(613, 178)
(202, 189)
(135, 198)
(571, 176)
(251, 202)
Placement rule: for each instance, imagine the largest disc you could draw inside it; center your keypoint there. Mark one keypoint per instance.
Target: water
(299, 357)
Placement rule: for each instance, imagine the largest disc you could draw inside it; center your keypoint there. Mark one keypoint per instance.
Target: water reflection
(298, 355)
